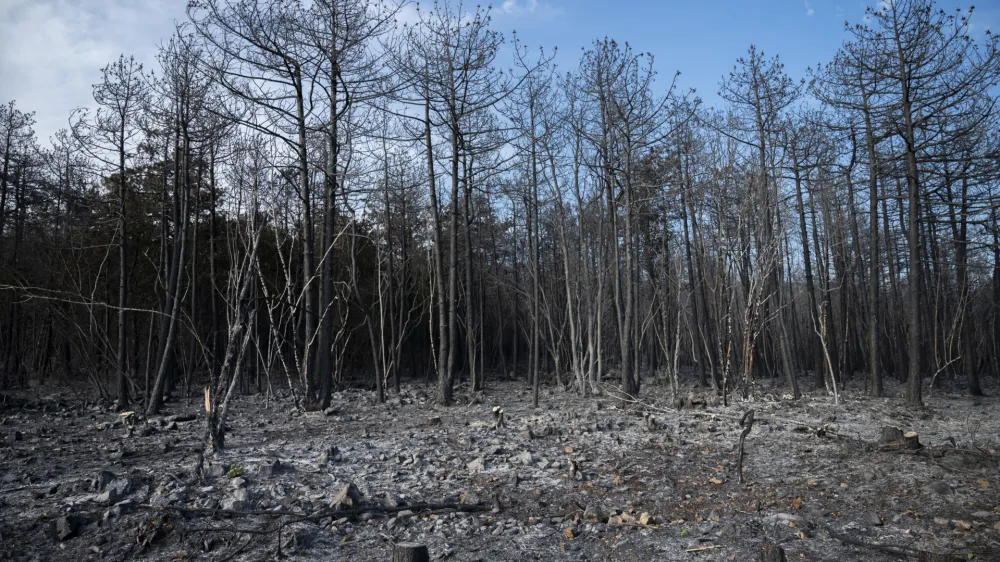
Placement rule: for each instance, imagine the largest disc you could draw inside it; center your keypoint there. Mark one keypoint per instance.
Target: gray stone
(215, 471)
(115, 491)
(269, 468)
(940, 487)
(66, 527)
(594, 513)
(872, 518)
(523, 457)
(103, 479)
(238, 501)
(785, 518)
(348, 497)
(477, 465)
(331, 454)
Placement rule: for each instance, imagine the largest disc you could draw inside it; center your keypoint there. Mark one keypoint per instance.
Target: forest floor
(592, 479)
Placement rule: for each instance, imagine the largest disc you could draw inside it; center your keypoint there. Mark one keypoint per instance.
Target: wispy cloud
(519, 7)
(809, 9)
(535, 10)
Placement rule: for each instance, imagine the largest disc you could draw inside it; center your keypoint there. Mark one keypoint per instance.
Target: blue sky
(704, 38)
(51, 51)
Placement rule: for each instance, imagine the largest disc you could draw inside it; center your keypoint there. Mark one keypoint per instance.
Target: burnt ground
(596, 479)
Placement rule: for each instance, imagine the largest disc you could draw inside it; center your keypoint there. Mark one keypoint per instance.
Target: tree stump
(891, 434)
(410, 552)
(772, 553)
(911, 440)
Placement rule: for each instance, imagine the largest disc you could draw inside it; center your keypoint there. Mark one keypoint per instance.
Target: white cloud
(52, 51)
(519, 7)
(809, 10)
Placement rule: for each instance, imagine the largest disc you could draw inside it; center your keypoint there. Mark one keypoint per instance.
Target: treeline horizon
(309, 195)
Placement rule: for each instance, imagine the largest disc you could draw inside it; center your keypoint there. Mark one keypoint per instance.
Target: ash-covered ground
(594, 478)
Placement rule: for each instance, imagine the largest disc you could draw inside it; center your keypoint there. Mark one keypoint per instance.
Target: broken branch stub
(747, 424)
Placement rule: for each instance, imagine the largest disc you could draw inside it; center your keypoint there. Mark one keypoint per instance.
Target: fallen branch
(888, 549)
(325, 513)
(702, 548)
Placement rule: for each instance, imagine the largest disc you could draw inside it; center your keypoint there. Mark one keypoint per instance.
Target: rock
(348, 497)
(874, 519)
(784, 519)
(940, 487)
(238, 482)
(269, 468)
(104, 478)
(941, 521)
(524, 457)
(239, 501)
(868, 475)
(214, 471)
(66, 527)
(115, 491)
(594, 513)
(331, 454)
(477, 465)
(393, 500)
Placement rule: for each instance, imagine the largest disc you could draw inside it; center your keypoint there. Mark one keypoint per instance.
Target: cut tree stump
(772, 553)
(891, 434)
(410, 552)
(904, 441)
(911, 440)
